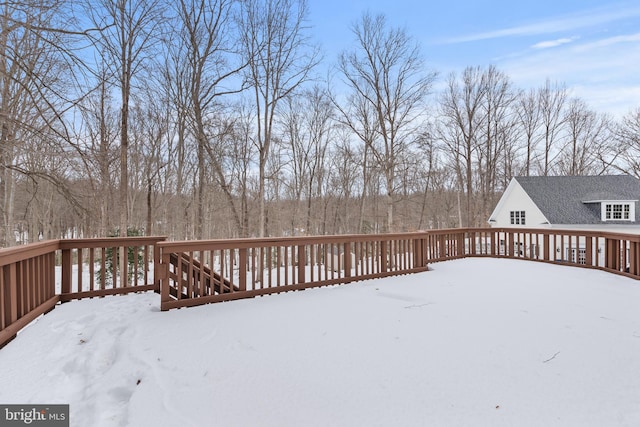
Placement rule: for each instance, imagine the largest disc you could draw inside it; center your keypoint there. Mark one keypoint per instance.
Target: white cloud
(611, 41)
(553, 43)
(595, 54)
(602, 72)
(616, 99)
(548, 26)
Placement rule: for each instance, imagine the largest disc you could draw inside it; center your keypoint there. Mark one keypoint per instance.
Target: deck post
(383, 256)
(66, 271)
(156, 265)
(11, 300)
(347, 259)
(302, 263)
(418, 253)
(162, 272)
(633, 258)
(242, 269)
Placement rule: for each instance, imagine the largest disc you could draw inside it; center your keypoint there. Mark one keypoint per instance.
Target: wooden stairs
(197, 280)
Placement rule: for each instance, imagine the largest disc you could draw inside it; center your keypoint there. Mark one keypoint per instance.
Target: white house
(607, 202)
(594, 203)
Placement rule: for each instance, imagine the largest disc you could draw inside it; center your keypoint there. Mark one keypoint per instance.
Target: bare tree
(529, 117)
(97, 150)
(206, 29)
(240, 159)
(33, 72)
(552, 100)
(280, 58)
(173, 81)
(358, 115)
(346, 178)
(498, 136)
(229, 158)
(428, 154)
(586, 138)
(153, 120)
(126, 39)
(627, 144)
(307, 124)
(461, 124)
(386, 70)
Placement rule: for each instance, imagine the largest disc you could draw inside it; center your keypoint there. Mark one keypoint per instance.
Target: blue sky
(592, 46)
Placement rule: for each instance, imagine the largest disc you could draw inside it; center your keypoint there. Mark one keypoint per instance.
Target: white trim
(609, 201)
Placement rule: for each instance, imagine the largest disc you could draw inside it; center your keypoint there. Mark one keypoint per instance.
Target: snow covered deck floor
(538, 344)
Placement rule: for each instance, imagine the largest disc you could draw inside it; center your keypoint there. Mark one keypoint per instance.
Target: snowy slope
(478, 342)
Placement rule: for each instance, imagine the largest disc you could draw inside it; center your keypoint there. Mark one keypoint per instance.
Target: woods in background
(221, 118)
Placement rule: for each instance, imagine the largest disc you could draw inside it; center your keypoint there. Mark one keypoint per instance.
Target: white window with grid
(517, 217)
(578, 255)
(618, 211)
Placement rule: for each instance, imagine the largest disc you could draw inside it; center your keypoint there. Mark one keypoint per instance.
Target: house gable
(515, 199)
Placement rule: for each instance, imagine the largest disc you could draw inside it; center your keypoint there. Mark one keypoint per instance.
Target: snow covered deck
(482, 342)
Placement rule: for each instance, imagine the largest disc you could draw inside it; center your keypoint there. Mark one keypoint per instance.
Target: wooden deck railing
(617, 253)
(27, 279)
(252, 267)
(93, 267)
(34, 278)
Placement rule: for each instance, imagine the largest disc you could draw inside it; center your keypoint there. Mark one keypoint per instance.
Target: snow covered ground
(475, 342)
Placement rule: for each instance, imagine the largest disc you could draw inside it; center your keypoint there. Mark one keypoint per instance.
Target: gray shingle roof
(562, 198)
